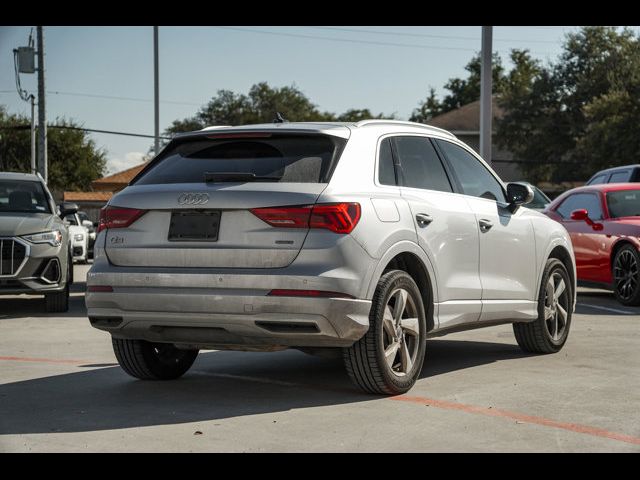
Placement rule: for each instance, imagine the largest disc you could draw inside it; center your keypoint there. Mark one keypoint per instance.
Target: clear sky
(386, 69)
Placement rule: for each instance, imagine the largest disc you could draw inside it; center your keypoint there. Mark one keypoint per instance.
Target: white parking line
(607, 309)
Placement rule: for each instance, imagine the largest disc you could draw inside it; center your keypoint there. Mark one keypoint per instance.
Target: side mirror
(519, 193)
(67, 208)
(582, 214)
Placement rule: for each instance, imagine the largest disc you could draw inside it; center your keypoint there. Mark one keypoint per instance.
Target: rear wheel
(389, 358)
(626, 276)
(152, 361)
(549, 332)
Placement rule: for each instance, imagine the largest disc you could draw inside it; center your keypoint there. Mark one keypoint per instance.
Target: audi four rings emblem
(193, 198)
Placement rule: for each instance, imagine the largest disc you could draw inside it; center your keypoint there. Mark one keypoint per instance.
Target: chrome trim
(46, 280)
(26, 255)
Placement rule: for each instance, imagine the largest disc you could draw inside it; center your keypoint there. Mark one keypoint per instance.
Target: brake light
(118, 217)
(337, 217)
(279, 292)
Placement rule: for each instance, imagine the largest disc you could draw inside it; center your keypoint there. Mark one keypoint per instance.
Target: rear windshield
(269, 157)
(624, 203)
(23, 196)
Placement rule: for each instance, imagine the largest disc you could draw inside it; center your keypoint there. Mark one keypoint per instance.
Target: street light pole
(156, 92)
(485, 94)
(42, 117)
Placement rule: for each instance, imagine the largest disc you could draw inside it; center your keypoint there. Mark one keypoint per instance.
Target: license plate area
(194, 226)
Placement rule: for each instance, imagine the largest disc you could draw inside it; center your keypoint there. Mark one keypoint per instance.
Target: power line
(333, 39)
(367, 42)
(425, 35)
(91, 130)
(111, 97)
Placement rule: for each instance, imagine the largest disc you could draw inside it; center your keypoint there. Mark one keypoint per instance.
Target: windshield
(624, 203)
(247, 157)
(23, 196)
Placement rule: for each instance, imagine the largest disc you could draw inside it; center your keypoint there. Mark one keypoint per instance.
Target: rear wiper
(238, 177)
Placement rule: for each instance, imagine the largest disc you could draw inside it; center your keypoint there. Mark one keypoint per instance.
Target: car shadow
(602, 302)
(33, 305)
(221, 384)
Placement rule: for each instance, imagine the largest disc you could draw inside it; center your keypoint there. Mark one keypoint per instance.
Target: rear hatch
(191, 207)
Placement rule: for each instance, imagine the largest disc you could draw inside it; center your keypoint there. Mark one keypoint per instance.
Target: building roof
(466, 118)
(123, 177)
(87, 196)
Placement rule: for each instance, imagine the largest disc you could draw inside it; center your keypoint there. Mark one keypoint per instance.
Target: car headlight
(53, 238)
(78, 237)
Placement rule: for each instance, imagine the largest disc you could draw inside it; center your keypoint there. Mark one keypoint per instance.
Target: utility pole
(485, 94)
(156, 92)
(33, 134)
(42, 117)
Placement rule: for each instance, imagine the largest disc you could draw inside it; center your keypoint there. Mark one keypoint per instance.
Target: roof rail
(363, 123)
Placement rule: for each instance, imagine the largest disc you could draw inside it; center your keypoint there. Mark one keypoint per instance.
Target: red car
(604, 224)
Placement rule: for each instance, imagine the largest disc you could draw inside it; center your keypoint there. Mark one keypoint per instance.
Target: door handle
(423, 219)
(485, 225)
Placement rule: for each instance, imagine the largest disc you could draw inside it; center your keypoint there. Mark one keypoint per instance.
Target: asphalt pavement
(61, 390)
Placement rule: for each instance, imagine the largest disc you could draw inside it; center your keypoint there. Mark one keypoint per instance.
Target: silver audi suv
(362, 238)
(35, 251)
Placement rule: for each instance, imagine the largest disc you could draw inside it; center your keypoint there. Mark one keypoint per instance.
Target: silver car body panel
(475, 278)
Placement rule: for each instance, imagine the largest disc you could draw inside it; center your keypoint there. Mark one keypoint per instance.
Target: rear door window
(305, 158)
(420, 165)
(618, 177)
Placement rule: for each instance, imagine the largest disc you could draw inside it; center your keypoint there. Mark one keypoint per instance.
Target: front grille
(12, 256)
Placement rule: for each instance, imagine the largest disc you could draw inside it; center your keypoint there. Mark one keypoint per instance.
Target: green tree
(74, 159)
(462, 90)
(577, 114)
(260, 106)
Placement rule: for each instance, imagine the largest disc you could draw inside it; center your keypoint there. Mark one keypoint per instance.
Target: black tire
(626, 276)
(58, 302)
(152, 361)
(549, 332)
(365, 360)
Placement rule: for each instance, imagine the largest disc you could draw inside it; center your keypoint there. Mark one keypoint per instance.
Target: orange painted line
(42, 360)
(494, 412)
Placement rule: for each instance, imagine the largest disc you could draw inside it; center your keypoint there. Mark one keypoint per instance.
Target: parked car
(367, 237)
(626, 173)
(34, 242)
(91, 228)
(604, 223)
(540, 200)
(78, 237)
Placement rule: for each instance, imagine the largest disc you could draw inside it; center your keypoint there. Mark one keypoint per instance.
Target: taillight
(337, 217)
(118, 217)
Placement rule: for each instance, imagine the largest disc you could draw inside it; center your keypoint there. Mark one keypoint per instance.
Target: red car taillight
(337, 217)
(118, 217)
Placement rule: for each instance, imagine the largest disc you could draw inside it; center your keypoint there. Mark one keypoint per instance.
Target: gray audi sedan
(358, 238)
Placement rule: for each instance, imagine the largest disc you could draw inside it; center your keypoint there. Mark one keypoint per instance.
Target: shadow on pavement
(106, 398)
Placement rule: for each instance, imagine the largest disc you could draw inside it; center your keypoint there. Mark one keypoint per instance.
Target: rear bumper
(220, 310)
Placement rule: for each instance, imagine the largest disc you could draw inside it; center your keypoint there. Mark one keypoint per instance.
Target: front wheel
(549, 332)
(626, 276)
(152, 361)
(389, 358)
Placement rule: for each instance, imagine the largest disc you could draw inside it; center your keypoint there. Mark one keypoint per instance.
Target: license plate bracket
(194, 226)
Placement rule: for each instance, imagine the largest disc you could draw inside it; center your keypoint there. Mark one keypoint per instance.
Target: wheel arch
(560, 252)
(409, 257)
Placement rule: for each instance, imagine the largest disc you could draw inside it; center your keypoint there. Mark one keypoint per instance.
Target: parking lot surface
(61, 390)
